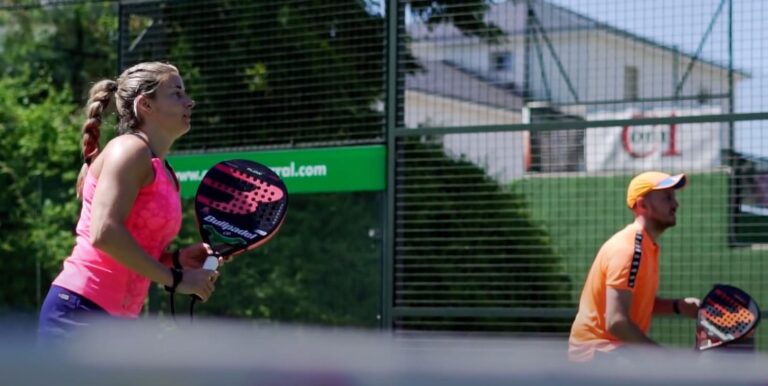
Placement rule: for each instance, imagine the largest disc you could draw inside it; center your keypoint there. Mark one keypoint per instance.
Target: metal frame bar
(487, 312)
(542, 70)
(640, 100)
(563, 125)
(731, 73)
(388, 251)
(121, 31)
(696, 55)
(732, 184)
(532, 17)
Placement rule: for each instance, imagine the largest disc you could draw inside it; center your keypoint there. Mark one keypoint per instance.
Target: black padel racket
(239, 206)
(726, 315)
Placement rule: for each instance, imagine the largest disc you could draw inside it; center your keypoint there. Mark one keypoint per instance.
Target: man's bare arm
(618, 303)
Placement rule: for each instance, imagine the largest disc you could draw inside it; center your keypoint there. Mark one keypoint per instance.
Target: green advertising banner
(325, 170)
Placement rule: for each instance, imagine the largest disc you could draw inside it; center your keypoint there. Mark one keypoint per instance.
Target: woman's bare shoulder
(125, 153)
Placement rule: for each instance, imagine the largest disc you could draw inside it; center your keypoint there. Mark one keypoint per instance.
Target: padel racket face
(726, 315)
(239, 205)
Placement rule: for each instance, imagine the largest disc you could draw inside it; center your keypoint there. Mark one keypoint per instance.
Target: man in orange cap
(619, 296)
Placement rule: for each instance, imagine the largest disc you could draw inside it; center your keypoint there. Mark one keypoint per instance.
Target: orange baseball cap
(648, 181)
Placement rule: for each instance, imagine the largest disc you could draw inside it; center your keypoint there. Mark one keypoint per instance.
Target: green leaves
(39, 141)
(256, 77)
(321, 268)
(46, 54)
(298, 74)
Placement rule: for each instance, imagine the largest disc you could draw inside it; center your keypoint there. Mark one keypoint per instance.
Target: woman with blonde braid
(131, 207)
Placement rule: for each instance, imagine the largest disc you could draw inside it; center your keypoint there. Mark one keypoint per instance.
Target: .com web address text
(289, 171)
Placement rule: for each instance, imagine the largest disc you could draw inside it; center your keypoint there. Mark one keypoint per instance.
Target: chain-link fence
(512, 129)
(522, 124)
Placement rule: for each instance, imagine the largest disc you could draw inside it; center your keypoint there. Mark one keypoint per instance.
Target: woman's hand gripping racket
(239, 206)
(726, 315)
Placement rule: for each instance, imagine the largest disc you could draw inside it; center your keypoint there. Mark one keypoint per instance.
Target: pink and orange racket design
(726, 315)
(239, 206)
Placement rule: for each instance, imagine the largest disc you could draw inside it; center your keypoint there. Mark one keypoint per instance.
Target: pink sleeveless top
(154, 221)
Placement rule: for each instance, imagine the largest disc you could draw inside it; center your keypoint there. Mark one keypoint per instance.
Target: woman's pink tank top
(154, 221)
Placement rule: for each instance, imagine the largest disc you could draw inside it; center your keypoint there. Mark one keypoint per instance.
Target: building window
(631, 85)
(502, 61)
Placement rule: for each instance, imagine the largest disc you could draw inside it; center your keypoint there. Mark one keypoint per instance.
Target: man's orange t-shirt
(627, 261)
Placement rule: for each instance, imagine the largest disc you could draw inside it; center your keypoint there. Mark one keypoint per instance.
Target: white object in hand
(211, 263)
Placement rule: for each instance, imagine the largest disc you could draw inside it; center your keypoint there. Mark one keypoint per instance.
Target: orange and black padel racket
(726, 315)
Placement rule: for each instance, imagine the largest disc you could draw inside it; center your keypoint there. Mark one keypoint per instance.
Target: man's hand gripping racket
(726, 315)
(239, 206)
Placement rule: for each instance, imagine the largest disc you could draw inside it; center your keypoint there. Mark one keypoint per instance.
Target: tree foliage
(323, 266)
(42, 62)
(262, 73)
(37, 174)
(464, 240)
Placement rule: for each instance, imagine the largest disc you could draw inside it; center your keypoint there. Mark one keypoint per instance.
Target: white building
(579, 66)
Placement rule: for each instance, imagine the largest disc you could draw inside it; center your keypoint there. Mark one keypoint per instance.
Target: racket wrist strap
(676, 306)
(177, 277)
(176, 259)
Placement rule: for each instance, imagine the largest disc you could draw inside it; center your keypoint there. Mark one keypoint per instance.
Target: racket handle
(211, 263)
